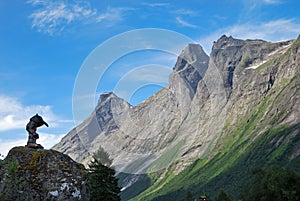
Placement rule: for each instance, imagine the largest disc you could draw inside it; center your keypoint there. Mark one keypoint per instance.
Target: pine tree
(222, 196)
(103, 157)
(103, 184)
(274, 183)
(189, 196)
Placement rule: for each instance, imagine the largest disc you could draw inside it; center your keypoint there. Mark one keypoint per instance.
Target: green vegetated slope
(266, 136)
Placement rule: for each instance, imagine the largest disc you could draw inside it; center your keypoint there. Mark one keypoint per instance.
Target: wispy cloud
(112, 14)
(272, 1)
(14, 115)
(184, 12)
(6, 145)
(47, 140)
(277, 30)
(156, 4)
(184, 23)
(52, 17)
(252, 4)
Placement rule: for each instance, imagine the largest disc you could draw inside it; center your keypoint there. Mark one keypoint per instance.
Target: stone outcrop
(30, 174)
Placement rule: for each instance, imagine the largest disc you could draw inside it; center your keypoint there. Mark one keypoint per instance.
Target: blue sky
(44, 44)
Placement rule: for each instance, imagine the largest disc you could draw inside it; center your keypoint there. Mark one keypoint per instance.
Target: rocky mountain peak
(229, 54)
(106, 96)
(191, 54)
(30, 174)
(192, 118)
(225, 41)
(189, 69)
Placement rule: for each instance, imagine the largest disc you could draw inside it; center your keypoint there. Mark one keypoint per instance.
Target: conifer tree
(189, 196)
(274, 183)
(102, 181)
(222, 196)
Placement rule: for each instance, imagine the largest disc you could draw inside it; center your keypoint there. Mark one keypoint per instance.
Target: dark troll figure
(35, 122)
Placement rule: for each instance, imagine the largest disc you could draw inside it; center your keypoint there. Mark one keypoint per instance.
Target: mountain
(219, 117)
(142, 132)
(30, 174)
(260, 124)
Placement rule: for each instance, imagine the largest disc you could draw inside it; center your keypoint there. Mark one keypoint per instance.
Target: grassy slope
(242, 150)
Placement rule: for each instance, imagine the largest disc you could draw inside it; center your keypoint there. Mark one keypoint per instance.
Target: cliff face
(252, 120)
(30, 174)
(240, 75)
(143, 132)
(211, 106)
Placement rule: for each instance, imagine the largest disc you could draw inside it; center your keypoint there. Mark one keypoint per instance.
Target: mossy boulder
(31, 174)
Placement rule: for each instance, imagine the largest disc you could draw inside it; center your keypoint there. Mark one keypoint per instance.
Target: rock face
(145, 131)
(211, 105)
(30, 174)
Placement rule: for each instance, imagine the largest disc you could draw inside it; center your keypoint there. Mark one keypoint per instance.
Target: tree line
(270, 184)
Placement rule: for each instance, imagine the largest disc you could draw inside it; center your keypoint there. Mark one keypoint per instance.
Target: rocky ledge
(30, 174)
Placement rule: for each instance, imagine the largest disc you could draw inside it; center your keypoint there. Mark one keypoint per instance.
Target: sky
(46, 46)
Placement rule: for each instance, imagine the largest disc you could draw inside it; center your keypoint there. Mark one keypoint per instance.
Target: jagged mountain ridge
(141, 130)
(239, 76)
(262, 120)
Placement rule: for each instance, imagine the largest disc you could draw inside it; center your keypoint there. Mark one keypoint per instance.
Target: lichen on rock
(30, 174)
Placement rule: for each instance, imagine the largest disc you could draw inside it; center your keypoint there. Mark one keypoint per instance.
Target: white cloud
(272, 1)
(277, 30)
(156, 4)
(183, 23)
(52, 17)
(252, 5)
(49, 140)
(5, 146)
(258, 3)
(14, 115)
(46, 140)
(38, 2)
(184, 12)
(282, 29)
(112, 14)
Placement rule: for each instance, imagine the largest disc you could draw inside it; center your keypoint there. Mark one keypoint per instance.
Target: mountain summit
(238, 106)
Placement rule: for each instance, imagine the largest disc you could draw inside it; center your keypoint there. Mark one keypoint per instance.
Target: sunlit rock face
(242, 83)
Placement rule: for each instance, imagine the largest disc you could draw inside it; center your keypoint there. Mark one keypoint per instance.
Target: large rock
(30, 174)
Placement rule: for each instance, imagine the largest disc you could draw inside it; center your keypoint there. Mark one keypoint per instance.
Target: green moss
(36, 159)
(33, 160)
(12, 166)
